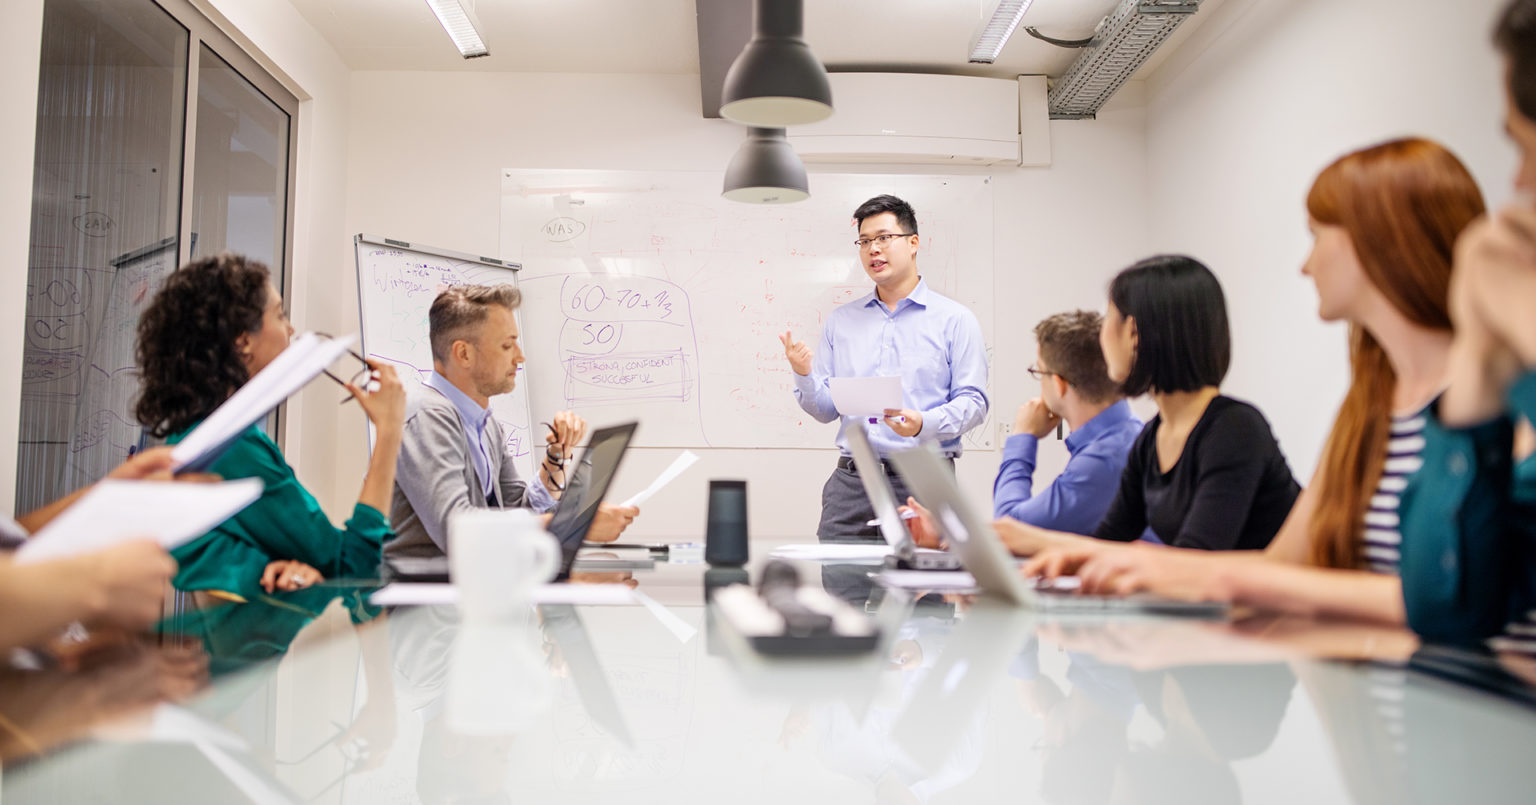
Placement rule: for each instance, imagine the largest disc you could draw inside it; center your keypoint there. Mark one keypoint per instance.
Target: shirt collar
(1108, 418)
(919, 296)
(470, 412)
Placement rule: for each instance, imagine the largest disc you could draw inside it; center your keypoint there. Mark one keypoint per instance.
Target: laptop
(585, 490)
(904, 552)
(573, 514)
(993, 567)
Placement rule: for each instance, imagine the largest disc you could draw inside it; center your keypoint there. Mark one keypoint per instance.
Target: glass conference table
(318, 696)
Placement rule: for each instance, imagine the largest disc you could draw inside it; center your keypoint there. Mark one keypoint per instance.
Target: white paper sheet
(933, 580)
(113, 512)
(865, 396)
(305, 357)
(817, 552)
(428, 594)
(682, 462)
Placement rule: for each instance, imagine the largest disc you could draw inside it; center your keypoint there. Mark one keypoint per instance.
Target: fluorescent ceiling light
(1005, 19)
(462, 27)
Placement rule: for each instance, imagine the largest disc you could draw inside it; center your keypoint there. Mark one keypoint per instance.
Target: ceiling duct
(1123, 42)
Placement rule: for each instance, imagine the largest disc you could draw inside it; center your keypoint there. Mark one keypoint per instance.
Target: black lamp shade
(766, 170)
(776, 81)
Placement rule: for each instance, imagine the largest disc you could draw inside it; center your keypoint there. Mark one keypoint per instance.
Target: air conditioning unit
(910, 118)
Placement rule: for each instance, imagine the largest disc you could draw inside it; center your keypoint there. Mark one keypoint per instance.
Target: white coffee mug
(495, 559)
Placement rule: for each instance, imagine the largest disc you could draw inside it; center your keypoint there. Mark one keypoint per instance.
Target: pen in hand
(906, 515)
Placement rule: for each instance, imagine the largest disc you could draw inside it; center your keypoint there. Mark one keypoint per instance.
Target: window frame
(201, 30)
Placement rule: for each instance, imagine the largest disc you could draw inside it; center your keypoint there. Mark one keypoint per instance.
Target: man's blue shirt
(1077, 499)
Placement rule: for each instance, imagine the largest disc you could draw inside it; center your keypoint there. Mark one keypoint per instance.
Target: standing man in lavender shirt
(901, 328)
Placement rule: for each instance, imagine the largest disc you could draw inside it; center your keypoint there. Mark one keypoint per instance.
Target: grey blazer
(435, 478)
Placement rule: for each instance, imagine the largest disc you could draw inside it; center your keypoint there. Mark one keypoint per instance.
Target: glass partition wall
(128, 185)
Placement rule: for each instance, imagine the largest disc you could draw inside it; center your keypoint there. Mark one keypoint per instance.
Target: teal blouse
(284, 523)
(1469, 528)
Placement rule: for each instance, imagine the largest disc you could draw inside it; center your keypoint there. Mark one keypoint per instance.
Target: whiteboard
(396, 283)
(648, 296)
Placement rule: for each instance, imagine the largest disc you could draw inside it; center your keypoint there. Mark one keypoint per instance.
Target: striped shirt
(1405, 454)
(1382, 538)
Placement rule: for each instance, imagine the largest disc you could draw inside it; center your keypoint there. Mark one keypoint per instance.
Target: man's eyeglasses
(1041, 374)
(863, 243)
(363, 379)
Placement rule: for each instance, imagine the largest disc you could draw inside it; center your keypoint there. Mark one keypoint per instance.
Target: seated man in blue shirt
(453, 453)
(1074, 386)
(901, 328)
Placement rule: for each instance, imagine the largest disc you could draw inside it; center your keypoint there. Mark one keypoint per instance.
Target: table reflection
(315, 696)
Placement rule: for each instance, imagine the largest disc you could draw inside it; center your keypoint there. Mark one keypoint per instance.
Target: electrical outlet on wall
(1004, 430)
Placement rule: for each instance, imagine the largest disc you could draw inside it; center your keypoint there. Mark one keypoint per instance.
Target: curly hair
(188, 363)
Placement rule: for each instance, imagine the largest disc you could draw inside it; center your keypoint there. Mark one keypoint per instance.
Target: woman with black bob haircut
(1179, 339)
(1206, 472)
(213, 325)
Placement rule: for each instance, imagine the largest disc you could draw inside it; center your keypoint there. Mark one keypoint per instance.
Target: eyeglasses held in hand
(366, 378)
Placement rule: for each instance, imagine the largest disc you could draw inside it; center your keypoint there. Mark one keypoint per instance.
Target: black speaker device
(725, 534)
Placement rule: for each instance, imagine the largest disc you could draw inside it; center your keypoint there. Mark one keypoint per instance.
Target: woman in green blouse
(215, 323)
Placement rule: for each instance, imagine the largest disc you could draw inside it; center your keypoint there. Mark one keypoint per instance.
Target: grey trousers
(845, 509)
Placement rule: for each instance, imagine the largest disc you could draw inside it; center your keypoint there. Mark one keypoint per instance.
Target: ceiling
(661, 36)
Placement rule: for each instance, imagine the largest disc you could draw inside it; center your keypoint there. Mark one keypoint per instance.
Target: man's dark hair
(1069, 346)
(1183, 340)
(906, 217)
(1516, 39)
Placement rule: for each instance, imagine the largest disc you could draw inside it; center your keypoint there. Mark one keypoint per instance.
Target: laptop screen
(877, 487)
(587, 487)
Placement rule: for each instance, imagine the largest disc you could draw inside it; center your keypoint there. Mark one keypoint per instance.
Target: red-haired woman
(1384, 222)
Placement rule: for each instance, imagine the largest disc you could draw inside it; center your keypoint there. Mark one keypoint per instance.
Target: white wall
(20, 50)
(1246, 113)
(425, 151)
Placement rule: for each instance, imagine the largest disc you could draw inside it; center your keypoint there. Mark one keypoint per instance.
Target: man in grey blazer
(452, 452)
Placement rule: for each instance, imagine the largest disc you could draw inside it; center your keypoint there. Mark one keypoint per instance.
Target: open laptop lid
(872, 475)
(586, 488)
(970, 536)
